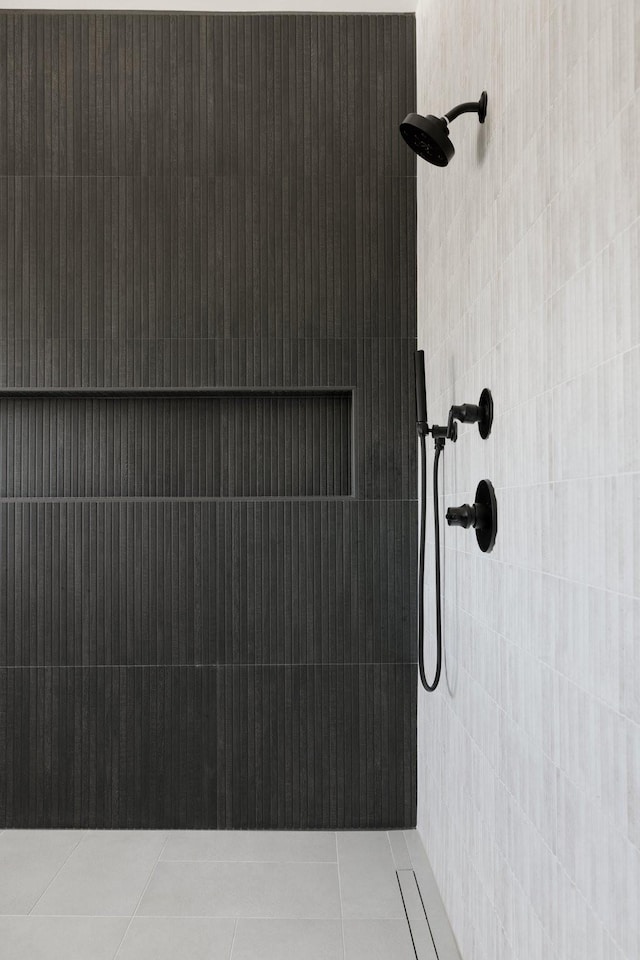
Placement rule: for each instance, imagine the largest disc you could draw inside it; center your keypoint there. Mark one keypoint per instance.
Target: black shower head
(429, 136)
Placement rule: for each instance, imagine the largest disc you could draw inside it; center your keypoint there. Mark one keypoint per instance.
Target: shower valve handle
(480, 413)
(464, 516)
(466, 412)
(482, 516)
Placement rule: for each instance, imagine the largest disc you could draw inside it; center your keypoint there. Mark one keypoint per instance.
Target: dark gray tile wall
(207, 201)
(248, 445)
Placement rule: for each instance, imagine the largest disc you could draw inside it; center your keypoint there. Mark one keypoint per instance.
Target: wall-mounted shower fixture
(482, 516)
(480, 413)
(429, 136)
(437, 432)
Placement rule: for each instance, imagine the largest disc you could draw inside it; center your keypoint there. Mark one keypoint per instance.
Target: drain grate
(416, 916)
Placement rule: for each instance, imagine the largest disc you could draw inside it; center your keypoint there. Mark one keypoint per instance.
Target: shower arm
(471, 106)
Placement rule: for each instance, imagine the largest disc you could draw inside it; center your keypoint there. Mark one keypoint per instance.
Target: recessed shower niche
(193, 443)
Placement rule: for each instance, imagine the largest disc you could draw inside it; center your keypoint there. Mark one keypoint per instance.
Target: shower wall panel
(207, 202)
(529, 756)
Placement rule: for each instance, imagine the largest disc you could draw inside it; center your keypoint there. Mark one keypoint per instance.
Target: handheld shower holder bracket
(442, 433)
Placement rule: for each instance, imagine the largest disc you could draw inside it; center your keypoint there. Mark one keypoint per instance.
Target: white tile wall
(528, 277)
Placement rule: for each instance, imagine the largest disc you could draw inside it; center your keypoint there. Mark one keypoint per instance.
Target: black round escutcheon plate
(486, 536)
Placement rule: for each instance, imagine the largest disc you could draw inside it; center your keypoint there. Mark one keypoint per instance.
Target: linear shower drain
(416, 916)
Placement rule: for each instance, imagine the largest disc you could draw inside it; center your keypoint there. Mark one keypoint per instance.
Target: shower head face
(428, 137)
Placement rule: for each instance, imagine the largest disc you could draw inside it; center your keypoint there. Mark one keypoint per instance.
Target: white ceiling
(216, 6)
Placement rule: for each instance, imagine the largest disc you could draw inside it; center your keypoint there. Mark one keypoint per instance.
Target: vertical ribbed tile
(150, 447)
(207, 201)
(328, 220)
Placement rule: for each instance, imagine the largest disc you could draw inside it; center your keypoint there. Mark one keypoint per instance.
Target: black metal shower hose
(439, 445)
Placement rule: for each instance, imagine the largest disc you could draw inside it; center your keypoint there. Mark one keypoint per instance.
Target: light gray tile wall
(528, 263)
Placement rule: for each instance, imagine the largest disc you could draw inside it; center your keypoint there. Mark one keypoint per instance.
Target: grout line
(344, 949)
(226, 340)
(622, 474)
(209, 916)
(233, 939)
(338, 498)
(33, 918)
(71, 852)
(157, 860)
(201, 392)
(404, 833)
(393, 858)
(214, 860)
(528, 568)
(208, 666)
(175, 916)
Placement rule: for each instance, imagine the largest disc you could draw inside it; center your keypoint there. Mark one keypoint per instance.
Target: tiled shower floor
(138, 895)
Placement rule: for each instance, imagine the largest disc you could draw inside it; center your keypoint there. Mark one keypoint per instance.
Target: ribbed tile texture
(148, 583)
(238, 446)
(202, 746)
(380, 369)
(238, 95)
(135, 256)
(169, 156)
(207, 201)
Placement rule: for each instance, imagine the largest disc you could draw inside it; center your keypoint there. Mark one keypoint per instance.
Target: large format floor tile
(159, 938)
(368, 881)
(104, 876)
(377, 940)
(269, 890)
(29, 860)
(283, 939)
(203, 895)
(60, 938)
(251, 845)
